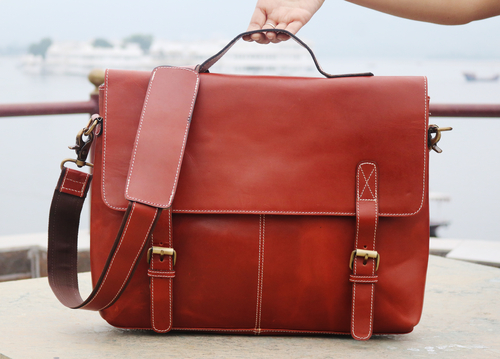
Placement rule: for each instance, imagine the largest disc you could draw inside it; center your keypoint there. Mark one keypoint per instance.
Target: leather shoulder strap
(163, 129)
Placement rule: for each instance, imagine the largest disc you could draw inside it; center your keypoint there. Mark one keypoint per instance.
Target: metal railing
(96, 77)
(464, 110)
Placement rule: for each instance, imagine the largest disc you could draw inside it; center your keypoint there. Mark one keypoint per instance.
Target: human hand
(288, 15)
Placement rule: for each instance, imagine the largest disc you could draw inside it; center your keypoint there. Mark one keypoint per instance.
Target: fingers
(257, 22)
(288, 15)
(270, 36)
(266, 38)
(261, 21)
(294, 26)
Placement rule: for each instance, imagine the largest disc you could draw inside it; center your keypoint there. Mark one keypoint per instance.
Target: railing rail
(51, 108)
(464, 110)
(97, 78)
(92, 106)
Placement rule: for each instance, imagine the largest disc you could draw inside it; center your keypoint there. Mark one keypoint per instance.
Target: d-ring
(268, 23)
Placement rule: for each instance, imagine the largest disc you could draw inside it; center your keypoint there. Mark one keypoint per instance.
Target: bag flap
(281, 145)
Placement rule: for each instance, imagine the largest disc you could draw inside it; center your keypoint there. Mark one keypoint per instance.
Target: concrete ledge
(25, 256)
(475, 251)
(40, 239)
(461, 319)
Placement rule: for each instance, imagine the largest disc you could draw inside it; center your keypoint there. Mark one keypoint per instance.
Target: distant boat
(470, 76)
(437, 199)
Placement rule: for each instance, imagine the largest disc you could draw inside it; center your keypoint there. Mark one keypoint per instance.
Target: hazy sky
(339, 28)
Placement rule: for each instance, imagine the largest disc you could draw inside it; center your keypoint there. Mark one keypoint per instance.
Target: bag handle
(205, 66)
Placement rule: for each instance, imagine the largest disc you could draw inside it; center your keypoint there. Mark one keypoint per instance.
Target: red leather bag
(295, 205)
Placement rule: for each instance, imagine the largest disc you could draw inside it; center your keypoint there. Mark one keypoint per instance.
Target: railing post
(96, 77)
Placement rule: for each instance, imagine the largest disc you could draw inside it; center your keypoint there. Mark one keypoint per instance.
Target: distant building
(78, 58)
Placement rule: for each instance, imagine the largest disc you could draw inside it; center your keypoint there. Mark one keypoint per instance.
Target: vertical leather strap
(161, 272)
(364, 264)
(161, 136)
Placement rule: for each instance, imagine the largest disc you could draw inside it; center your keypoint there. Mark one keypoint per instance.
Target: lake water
(31, 148)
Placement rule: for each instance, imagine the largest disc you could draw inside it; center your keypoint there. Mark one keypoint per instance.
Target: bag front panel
(306, 271)
(279, 273)
(216, 278)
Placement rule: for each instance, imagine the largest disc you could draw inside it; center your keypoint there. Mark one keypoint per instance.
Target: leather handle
(205, 66)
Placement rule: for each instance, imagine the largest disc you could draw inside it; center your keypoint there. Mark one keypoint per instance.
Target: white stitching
(262, 267)
(81, 191)
(135, 259)
(375, 200)
(363, 279)
(367, 185)
(260, 274)
(281, 212)
(169, 276)
(263, 212)
(104, 147)
(132, 162)
(258, 277)
(355, 264)
(263, 330)
(170, 244)
(161, 274)
(152, 296)
(425, 159)
(371, 314)
(79, 182)
(72, 190)
(153, 324)
(185, 135)
(134, 150)
(116, 251)
(114, 256)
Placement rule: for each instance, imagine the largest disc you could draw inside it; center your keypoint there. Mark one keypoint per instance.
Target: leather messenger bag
(250, 204)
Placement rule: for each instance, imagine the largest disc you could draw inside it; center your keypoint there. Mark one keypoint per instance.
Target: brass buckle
(84, 139)
(367, 254)
(162, 251)
(78, 163)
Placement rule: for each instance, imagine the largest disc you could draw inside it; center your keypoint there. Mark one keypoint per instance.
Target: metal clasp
(162, 251)
(367, 254)
(434, 133)
(84, 139)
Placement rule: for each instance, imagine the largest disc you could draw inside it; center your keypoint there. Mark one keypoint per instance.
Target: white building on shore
(79, 58)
